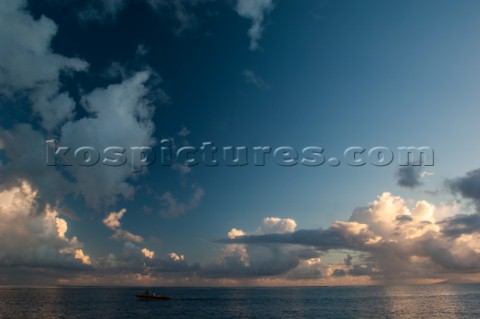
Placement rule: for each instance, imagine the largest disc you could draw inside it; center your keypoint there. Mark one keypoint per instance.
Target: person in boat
(146, 293)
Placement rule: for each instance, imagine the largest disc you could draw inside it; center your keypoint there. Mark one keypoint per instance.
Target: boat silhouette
(151, 296)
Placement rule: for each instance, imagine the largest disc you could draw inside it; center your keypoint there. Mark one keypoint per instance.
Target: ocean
(416, 301)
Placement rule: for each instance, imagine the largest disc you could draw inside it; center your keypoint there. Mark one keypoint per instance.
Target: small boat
(149, 296)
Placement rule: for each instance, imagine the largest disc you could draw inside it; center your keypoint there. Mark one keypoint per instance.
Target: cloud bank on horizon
(391, 240)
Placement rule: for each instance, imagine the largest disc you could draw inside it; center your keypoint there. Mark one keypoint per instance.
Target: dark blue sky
(331, 74)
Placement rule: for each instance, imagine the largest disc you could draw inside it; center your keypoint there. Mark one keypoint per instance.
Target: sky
(159, 77)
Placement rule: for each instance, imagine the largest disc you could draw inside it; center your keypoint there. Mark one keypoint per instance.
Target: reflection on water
(406, 300)
(422, 301)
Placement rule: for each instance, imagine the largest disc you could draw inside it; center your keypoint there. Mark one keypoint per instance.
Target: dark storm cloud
(335, 237)
(339, 273)
(409, 176)
(267, 260)
(25, 149)
(467, 186)
(461, 224)
(362, 270)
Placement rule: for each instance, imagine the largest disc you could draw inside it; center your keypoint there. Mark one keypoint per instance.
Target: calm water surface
(422, 301)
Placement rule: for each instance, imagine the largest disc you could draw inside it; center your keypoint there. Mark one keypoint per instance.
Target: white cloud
(175, 257)
(274, 225)
(256, 261)
(239, 251)
(148, 253)
(80, 255)
(33, 238)
(32, 233)
(396, 240)
(254, 10)
(28, 64)
(118, 115)
(425, 174)
(121, 116)
(234, 233)
(112, 221)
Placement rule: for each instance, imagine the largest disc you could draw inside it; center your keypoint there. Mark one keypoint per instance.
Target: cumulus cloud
(172, 207)
(269, 225)
(392, 240)
(238, 260)
(25, 149)
(274, 225)
(254, 10)
(28, 64)
(311, 268)
(80, 255)
(112, 221)
(117, 115)
(236, 251)
(395, 240)
(243, 260)
(35, 239)
(254, 261)
(176, 257)
(32, 232)
(234, 233)
(148, 253)
(120, 116)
